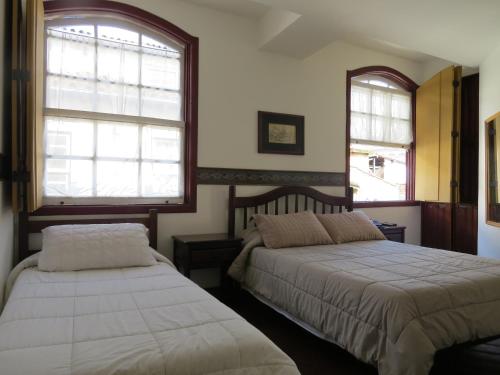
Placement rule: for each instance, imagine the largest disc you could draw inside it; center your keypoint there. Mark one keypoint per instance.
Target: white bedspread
(390, 304)
(140, 320)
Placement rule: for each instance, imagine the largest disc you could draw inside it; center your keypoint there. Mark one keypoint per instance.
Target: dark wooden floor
(314, 356)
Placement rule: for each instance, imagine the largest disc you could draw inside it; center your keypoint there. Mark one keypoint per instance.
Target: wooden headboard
(28, 227)
(285, 199)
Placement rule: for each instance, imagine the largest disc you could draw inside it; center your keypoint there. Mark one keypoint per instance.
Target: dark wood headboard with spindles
(36, 226)
(285, 199)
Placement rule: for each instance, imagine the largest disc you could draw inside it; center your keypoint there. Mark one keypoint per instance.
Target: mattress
(392, 305)
(138, 320)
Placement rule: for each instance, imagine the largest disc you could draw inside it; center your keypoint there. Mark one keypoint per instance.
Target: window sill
(114, 209)
(367, 204)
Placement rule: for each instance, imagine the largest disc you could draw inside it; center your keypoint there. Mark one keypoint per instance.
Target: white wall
(237, 80)
(6, 217)
(489, 104)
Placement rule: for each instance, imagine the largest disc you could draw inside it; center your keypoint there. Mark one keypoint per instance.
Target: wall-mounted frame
(280, 133)
(492, 161)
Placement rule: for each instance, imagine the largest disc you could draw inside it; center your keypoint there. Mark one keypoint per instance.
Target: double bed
(391, 305)
(128, 320)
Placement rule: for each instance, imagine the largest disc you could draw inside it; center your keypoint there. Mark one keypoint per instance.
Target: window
(120, 111)
(380, 143)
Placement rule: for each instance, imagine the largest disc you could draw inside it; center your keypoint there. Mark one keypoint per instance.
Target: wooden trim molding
(55, 8)
(229, 176)
(406, 83)
(375, 204)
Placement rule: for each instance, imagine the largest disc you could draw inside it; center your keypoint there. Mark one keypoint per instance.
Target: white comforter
(390, 304)
(140, 320)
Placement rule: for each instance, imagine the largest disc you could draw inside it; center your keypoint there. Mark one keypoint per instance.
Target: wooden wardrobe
(446, 171)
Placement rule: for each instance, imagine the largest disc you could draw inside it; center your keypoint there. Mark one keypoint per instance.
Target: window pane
(401, 131)
(360, 126)
(117, 34)
(160, 71)
(378, 173)
(117, 99)
(69, 137)
(160, 180)
(117, 179)
(360, 99)
(161, 104)
(381, 103)
(155, 44)
(401, 106)
(71, 178)
(117, 140)
(86, 30)
(70, 54)
(117, 62)
(161, 143)
(70, 93)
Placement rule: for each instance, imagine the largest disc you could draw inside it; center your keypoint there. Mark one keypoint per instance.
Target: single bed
(134, 320)
(391, 305)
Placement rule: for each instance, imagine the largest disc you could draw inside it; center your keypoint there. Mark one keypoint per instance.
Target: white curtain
(110, 74)
(94, 70)
(380, 115)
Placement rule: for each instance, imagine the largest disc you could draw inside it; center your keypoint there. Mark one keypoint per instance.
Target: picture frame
(280, 133)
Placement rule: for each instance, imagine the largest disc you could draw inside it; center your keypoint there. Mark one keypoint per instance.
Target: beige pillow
(93, 246)
(298, 229)
(350, 226)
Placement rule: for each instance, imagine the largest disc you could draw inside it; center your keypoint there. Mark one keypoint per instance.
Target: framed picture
(280, 133)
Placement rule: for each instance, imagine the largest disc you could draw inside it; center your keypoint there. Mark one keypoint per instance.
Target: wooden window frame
(409, 85)
(190, 104)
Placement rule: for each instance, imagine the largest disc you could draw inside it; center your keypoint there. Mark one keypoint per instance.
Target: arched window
(120, 110)
(380, 135)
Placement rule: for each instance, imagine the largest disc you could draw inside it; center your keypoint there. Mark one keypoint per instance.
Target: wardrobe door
(465, 228)
(437, 225)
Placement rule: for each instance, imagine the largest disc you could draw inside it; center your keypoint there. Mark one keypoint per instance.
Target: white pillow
(91, 246)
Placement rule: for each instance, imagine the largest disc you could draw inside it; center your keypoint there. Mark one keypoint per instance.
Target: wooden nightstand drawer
(396, 234)
(200, 257)
(205, 251)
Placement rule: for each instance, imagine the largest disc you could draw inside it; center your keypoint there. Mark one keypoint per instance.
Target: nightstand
(205, 251)
(396, 234)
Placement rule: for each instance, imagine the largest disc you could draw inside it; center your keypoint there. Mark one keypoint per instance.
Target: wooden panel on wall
(436, 225)
(465, 228)
(469, 139)
(427, 140)
(446, 126)
(231, 176)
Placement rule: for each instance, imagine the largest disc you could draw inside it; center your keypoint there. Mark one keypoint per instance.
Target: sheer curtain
(114, 125)
(380, 115)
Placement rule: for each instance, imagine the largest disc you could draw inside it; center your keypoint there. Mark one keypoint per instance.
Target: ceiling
(462, 31)
(244, 8)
